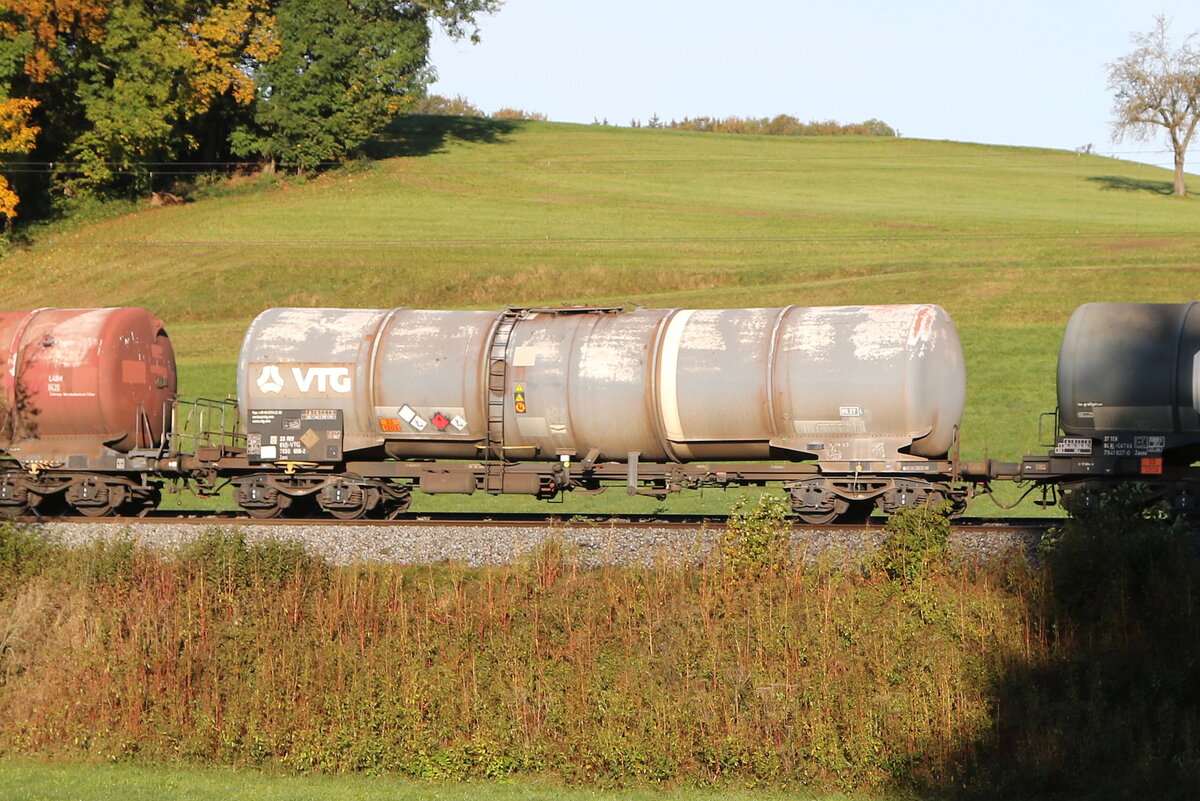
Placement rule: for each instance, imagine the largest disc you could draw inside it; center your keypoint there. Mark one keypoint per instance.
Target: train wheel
(369, 504)
(936, 498)
(840, 507)
(265, 512)
(394, 501)
(96, 511)
(389, 510)
(347, 500)
(92, 498)
(14, 498)
(259, 499)
(10, 510)
(280, 506)
(142, 502)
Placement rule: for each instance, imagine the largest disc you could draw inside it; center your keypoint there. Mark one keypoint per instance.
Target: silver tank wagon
(855, 389)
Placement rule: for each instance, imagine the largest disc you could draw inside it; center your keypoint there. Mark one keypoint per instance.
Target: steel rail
(512, 519)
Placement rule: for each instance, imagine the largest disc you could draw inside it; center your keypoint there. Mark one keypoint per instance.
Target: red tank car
(82, 390)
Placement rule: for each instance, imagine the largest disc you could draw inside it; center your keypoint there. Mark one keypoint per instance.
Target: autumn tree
(34, 34)
(124, 84)
(144, 84)
(343, 71)
(1157, 89)
(17, 135)
(44, 29)
(121, 87)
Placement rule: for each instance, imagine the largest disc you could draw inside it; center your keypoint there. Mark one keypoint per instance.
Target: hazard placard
(519, 399)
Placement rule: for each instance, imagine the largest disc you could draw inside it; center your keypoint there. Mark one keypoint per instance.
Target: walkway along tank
(360, 406)
(82, 391)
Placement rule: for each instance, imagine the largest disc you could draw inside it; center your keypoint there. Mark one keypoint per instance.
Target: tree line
(783, 125)
(779, 125)
(99, 92)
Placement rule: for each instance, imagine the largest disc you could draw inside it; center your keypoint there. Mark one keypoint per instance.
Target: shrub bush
(757, 538)
(917, 541)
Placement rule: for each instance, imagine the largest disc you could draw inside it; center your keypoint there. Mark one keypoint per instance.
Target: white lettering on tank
(336, 379)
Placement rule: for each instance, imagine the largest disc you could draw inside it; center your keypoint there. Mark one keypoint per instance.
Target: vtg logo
(269, 380)
(324, 379)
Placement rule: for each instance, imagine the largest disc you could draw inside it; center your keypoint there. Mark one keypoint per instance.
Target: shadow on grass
(1105, 702)
(419, 135)
(1124, 183)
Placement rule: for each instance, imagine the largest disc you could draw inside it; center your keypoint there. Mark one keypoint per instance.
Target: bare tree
(1158, 87)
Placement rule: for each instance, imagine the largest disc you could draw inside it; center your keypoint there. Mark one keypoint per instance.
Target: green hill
(479, 214)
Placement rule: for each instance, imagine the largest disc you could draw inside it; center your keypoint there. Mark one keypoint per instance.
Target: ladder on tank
(493, 479)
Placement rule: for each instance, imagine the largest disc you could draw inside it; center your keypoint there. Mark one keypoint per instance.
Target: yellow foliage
(518, 114)
(219, 39)
(8, 199)
(16, 136)
(218, 42)
(47, 20)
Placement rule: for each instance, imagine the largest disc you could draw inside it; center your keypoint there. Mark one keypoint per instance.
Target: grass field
(483, 213)
(37, 781)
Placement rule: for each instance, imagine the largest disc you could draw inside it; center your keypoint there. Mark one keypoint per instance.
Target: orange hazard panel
(389, 424)
(1152, 466)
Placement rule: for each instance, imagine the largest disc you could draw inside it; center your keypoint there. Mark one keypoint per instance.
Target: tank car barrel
(543, 400)
(878, 384)
(85, 408)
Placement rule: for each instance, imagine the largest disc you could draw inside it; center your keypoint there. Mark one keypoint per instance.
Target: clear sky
(1017, 72)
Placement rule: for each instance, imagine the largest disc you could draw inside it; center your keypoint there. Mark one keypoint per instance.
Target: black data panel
(294, 435)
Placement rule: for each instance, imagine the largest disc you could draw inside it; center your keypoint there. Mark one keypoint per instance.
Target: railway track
(509, 519)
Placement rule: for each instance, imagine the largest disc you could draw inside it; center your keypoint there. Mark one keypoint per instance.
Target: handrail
(207, 423)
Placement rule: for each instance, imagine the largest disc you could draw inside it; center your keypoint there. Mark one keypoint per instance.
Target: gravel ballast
(479, 545)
